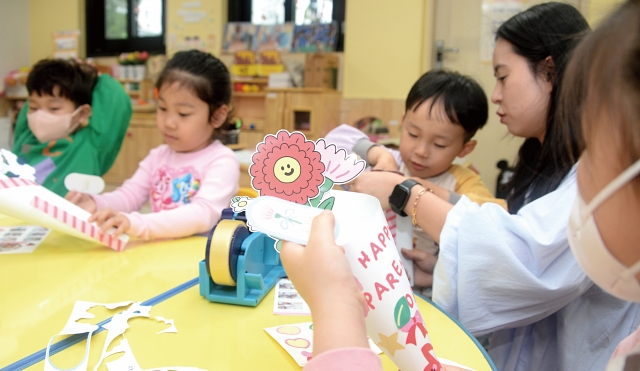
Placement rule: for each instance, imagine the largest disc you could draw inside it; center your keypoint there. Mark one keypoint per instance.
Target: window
(298, 11)
(118, 26)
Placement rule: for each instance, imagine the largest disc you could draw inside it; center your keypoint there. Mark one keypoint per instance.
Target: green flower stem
(324, 188)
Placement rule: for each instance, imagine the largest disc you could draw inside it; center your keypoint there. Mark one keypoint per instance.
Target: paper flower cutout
(288, 167)
(239, 203)
(340, 168)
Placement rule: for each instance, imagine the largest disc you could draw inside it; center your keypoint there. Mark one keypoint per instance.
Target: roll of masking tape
(223, 249)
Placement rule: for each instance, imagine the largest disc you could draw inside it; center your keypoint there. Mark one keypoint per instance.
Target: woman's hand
(423, 265)
(378, 184)
(83, 200)
(107, 219)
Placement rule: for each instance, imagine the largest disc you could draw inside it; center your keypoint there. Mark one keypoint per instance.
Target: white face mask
(47, 126)
(590, 251)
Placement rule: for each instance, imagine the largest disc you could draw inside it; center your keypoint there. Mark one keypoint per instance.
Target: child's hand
(321, 274)
(378, 184)
(381, 159)
(107, 218)
(83, 200)
(423, 265)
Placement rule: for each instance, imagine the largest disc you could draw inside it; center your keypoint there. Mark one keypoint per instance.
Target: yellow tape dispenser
(240, 267)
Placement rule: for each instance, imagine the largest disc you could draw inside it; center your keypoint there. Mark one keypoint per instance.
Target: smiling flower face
(288, 167)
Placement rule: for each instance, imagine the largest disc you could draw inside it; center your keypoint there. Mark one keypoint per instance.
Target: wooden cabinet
(142, 136)
(312, 111)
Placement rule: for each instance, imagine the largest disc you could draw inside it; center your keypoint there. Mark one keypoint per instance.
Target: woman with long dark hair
(512, 275)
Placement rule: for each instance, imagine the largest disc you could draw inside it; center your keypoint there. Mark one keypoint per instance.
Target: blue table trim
(484, 352)
(39, 356)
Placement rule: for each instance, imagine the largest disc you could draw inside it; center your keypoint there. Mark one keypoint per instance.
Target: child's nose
(422, 150)
(170, 123)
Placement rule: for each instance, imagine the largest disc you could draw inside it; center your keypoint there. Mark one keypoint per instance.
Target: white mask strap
(615, 185)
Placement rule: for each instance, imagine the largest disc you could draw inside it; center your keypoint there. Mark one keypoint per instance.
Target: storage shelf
(251, 80)
(249, 94)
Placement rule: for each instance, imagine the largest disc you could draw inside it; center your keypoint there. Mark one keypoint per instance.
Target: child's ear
(467, 148)
(219, 116)
(83, 115)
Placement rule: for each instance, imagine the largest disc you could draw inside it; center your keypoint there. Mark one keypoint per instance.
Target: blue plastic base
(259, 269)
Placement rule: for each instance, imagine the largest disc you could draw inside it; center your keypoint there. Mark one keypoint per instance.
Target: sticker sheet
(297, 340)
(288, 301)
(21, 239)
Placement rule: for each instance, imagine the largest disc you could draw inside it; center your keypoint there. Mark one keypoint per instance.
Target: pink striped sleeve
(345, 359)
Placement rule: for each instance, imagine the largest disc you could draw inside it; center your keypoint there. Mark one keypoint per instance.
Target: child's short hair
(201, 72)
(464, 101)
(75, 80)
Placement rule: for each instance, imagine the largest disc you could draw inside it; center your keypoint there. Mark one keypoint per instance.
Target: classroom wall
(46, 17)
(384, 46)
(598, 9)
(210, 29)
(14, 44)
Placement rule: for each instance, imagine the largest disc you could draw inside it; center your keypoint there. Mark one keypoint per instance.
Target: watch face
(400, 195)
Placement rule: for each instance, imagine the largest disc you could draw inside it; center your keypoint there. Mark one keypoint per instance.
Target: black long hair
(545, 30)
(205, 74)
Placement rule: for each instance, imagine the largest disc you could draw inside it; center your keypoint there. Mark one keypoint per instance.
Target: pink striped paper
(15, 182)
(76, 223)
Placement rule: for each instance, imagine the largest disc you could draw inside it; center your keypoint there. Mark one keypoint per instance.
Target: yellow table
(39, 290)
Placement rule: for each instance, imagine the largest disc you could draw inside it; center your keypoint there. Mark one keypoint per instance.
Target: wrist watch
(400, 196)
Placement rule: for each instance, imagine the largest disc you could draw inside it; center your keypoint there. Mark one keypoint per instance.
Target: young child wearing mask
(603, 85)
(73, 122)
(191, 178)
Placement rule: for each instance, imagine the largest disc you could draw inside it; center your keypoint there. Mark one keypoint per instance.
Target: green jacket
(90, 150)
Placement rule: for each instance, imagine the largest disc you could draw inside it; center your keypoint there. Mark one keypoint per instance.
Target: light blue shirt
(514, 276)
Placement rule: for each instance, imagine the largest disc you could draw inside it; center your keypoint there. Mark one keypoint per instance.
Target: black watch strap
(400, 196)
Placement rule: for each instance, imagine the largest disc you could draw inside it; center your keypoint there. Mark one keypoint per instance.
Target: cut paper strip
(119, 324)
(81, 225)
(80, 311)
(171, 328)
(84, 183)
(127, 362)
(18, 197)
(297, 340)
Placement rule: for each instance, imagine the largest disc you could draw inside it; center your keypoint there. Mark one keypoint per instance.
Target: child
(74, 122)
(191, 178)
(443, 112)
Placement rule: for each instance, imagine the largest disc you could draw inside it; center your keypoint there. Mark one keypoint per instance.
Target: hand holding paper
(322, 276)
(83, 200)
(108, 219)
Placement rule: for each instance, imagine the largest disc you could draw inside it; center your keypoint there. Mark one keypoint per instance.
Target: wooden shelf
(251, 80)
(15, 97)
(250, 94)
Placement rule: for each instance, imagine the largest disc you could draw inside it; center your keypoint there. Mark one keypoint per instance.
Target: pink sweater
(346, 359)
(187, 191)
